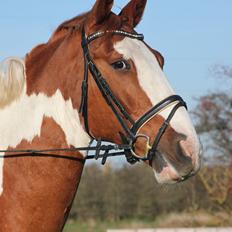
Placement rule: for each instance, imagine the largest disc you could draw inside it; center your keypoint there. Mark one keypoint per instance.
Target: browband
(99, 34)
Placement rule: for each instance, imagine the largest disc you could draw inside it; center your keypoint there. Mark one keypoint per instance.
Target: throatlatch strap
(84, 87)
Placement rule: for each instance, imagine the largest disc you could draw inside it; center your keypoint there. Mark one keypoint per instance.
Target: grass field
(197, 219)
(100, 226)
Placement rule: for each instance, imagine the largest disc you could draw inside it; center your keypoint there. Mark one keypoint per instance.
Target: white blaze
(156, 86)
(23, 120)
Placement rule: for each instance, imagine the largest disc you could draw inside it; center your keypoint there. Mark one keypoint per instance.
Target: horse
(95, 78)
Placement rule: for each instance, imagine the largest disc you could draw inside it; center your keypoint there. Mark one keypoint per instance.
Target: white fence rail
(177, 230)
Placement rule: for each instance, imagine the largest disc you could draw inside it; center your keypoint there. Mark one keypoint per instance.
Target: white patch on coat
(23, 120)
(12, 80)
(156, 86)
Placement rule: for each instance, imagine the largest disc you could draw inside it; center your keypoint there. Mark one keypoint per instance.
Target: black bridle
(130, 127)
(131, 132)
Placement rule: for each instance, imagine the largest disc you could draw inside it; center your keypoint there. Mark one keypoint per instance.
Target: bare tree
(213, 116)
(217, 183)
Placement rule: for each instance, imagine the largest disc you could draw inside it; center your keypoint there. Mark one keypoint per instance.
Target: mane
(75, 23)
(12, 80)
(41, 54)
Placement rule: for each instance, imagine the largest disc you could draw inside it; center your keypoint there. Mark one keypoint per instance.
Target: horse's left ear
(133, 12)
(100, 11)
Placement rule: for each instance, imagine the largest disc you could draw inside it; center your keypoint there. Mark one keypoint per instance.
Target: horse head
(133, 71)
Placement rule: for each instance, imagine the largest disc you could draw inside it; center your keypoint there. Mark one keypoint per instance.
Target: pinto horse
(40, 99)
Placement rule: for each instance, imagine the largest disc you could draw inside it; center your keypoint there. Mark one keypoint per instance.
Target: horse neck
(47, 117)
(57, 65)
(54, 74)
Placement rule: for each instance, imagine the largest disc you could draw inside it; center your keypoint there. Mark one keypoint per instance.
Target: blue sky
(192, 35)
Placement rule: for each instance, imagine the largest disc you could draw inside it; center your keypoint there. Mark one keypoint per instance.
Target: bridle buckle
(148, 147)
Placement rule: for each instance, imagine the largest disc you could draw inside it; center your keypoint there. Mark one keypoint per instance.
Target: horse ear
(133, 12)
(100, 11)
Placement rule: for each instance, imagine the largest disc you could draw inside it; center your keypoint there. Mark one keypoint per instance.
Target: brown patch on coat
(38, 190)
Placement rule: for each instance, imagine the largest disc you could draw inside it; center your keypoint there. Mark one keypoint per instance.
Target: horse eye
(121, 65)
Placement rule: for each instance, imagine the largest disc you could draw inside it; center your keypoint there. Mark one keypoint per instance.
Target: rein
(47, 152)
(131, 132)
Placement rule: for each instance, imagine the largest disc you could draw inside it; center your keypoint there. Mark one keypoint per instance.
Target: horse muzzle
(149, 149)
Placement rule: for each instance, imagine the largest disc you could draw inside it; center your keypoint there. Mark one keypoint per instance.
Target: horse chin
(164, 172)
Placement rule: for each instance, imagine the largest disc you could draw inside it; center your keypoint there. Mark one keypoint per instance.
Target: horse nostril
(182, 156)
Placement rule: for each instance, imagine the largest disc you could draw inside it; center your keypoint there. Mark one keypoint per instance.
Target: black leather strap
(163, 128)
(153, 111)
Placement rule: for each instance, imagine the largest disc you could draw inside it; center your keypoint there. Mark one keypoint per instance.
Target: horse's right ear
(100, 11)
